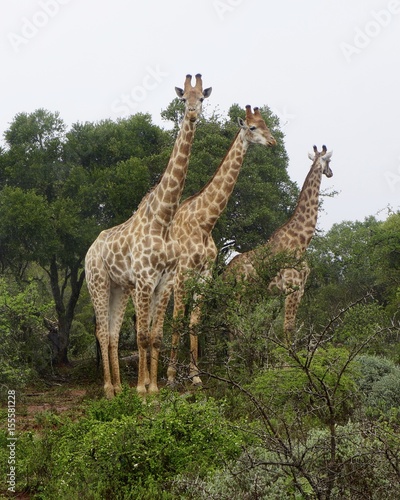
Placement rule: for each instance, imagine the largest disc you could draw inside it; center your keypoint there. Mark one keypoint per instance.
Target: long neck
(300, 228)
(166, 195)
(211, 201)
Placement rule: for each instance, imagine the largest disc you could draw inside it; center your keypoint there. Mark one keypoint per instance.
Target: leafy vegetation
(315, 419)
(128, 448)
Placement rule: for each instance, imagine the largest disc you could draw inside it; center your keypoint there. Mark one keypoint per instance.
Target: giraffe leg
(297, 279)
(118, 301)
(99, 290)
(102, 336)
(195, 319)
(142, 300)
(194, 347)
(292, 302)
(179, 311)
(161, 298)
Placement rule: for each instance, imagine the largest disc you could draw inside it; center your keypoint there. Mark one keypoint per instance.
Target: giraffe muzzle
(192, 115)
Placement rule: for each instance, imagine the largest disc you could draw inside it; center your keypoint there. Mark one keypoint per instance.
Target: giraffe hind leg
(117, 305)
(102, 338)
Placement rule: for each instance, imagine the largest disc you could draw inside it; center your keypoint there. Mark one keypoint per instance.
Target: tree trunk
(59, 333)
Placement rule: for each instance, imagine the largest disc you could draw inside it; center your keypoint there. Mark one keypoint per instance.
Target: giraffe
(138, 258)
(195, 220)
(294, 236)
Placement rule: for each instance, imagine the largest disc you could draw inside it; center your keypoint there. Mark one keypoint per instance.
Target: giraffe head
(323, 158)
(254, 130)
(193, 96)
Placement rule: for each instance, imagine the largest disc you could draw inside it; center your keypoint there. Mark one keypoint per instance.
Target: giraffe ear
(179, 92)
(311, 156)
(207, 92)
(241, 122)
(327, 156)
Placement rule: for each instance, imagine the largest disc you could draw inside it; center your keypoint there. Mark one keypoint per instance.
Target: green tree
(342, 269)
(60, 190)
(22, 352)
(385, 243)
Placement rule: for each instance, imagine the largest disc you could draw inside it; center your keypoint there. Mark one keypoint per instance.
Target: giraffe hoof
(142, 391)
(196, 381)
(153, 389)
(109, 391)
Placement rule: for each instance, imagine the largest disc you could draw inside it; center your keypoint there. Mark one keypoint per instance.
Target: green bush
(362, 469)
(385, 393)
(24, 350)
(379, 383)
(32, 459)
(127, 448)
(317, 386)
(360, 324)
(372, 369)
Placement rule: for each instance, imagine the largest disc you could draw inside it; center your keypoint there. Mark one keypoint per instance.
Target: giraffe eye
(201, 99)
(183, 99)
(252, 128)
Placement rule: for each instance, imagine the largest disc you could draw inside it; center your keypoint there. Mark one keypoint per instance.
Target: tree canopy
(317, 417)
(59, 188)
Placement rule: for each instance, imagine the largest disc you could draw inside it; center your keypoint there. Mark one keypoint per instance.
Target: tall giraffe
(195, 220)
(138, 259)
(294, 236)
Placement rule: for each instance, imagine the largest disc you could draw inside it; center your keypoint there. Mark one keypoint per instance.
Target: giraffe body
(195, 220)
(138, 258)
(294, 236)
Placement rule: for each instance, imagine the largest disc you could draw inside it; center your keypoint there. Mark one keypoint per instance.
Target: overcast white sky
(330, 69)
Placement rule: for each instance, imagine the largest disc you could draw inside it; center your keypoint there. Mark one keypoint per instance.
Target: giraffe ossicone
(138, 259)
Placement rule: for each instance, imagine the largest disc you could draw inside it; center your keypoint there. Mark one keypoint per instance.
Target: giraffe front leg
(194, 348)
(143, 371)
(160, 302)
(195, 320)
(297, 278)
(155, 345)
(292, 303)
(172, 365)
(179, 310)
(142, 307)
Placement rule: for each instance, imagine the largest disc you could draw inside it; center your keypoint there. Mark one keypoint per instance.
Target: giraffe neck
(211, 201)
(164, 199)
(298, 231)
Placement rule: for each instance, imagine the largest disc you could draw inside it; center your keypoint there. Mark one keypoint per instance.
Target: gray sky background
(330, 69)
